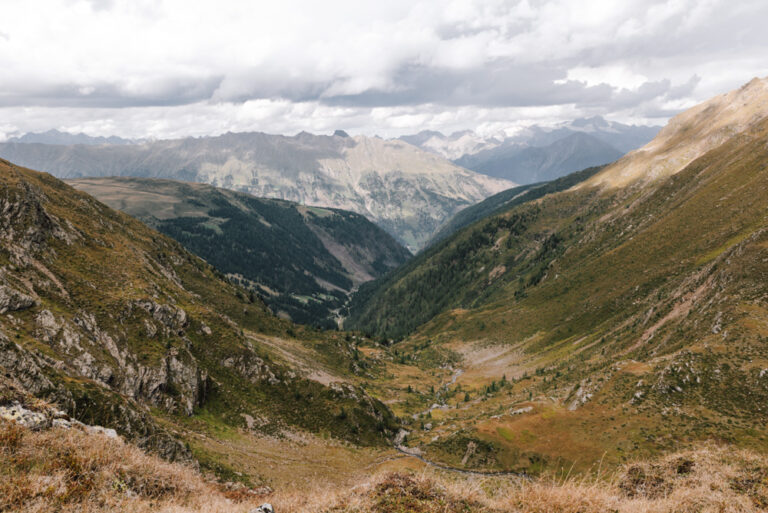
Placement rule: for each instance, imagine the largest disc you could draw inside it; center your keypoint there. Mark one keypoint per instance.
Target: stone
(264, 508)
(520, 411)
(47, 325)
(24, 417)
(61, 423)
(12, 300)
(108, 432)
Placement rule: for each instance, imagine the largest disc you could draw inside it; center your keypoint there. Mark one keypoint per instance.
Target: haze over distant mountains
(67, 138)
(408, 186)
(538, 153)
(405, 190)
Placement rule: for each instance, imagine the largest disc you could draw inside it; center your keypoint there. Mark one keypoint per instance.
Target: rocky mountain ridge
(403, 189)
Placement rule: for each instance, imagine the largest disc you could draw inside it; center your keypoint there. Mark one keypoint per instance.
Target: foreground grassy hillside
(302, 261)
(605, 321)
(122, 327)
(70, 470)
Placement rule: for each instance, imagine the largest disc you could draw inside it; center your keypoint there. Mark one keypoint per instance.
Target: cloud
(349, 61)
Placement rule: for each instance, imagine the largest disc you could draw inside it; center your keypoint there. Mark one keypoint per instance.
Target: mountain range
(66, 138)
(537, 153)
(610, 324)
(408, 192)
(302, 261)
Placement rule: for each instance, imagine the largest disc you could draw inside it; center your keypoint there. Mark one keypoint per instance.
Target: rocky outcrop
(24, 220)
(251, 367)
(176, 383)
(24, 367)
(172, 319)
(13, 300)
(24, 417)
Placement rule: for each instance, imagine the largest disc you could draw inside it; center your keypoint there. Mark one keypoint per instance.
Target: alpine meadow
(494, 256)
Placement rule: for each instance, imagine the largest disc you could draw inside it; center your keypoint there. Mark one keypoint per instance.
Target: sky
(175, 68)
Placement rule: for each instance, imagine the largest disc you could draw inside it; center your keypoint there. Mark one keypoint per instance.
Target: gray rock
(520, 411)
(24, 367)
(12, 300)
(61, 423)
(24, 417)
(47, 325)
(99, 430)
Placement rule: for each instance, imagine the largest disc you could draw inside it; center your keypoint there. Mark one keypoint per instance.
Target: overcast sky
(151, 68)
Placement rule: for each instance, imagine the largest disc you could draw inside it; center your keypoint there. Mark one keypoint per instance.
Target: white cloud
(615, 76)
(152, 68)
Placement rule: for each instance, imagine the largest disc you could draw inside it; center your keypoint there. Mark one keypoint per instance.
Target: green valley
(623, 316)
(302, 261)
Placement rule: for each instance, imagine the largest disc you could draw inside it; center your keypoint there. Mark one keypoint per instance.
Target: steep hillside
(603, 320)
(522, 163)
(403, 189)
(692, 134)
(509, 198)
(122, 327)
(303, 261)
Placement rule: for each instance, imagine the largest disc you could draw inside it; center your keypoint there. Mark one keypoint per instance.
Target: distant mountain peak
(54, 136)
(340, 133)
(593, 122)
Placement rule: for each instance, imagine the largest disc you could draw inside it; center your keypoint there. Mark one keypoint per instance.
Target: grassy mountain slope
(122, 327)
(509, 198)
(610, 320)
(303, 261)
(388, 307)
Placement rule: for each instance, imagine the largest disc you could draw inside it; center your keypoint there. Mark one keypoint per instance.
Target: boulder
(24, 417)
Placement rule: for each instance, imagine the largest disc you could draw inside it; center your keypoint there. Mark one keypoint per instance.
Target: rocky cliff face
(109, 318)
(407, 191)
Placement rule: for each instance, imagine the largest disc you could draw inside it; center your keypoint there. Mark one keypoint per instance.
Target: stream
(415, 453)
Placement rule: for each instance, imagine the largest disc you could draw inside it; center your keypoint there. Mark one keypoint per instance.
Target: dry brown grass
(70, 470)
(710, 479)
